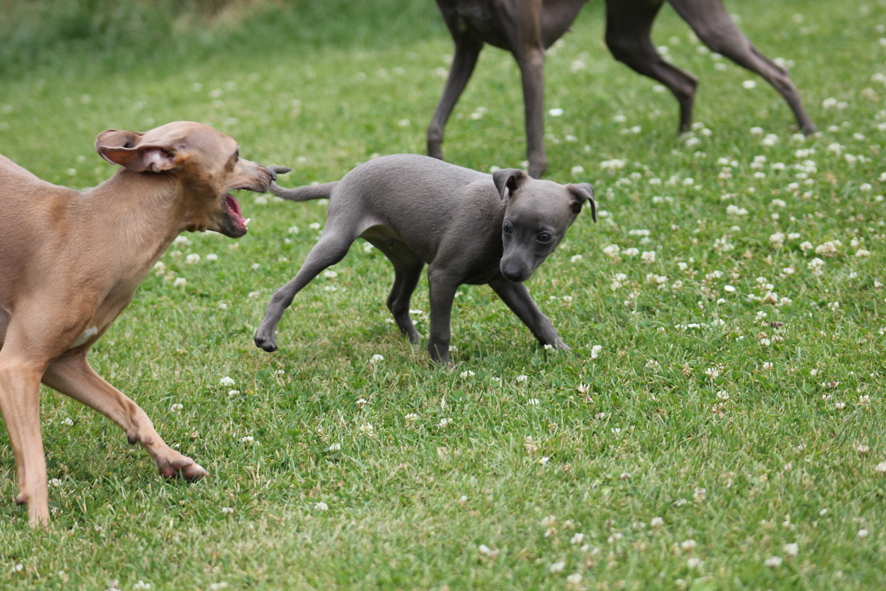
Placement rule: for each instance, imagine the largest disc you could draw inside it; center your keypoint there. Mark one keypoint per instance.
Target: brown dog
(70, 262)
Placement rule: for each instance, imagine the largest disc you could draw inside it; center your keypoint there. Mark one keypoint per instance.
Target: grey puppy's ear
(581, 193)
(509, 178)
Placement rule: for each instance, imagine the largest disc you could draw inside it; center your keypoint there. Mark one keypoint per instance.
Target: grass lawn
(722, 426)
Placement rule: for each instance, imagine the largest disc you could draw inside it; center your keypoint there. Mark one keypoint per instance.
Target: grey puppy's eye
(544, 237)
(508, 228)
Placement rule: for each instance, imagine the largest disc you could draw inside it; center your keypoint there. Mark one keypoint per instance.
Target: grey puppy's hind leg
(407, 272)
(330, 249)
(628, 30)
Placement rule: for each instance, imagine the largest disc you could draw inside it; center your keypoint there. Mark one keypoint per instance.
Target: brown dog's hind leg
(74, 377)
(628, 30)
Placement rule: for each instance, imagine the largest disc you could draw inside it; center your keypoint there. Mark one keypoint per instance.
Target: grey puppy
(467, 226)
(527, 27)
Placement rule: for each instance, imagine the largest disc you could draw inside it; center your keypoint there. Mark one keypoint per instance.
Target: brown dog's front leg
(74, 377)
(20, 405)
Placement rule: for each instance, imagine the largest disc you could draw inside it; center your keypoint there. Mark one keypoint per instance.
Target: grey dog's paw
(279, 169)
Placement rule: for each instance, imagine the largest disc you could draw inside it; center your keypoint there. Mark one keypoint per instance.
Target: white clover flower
(862, 534)
(227, 510)
(648, 257)
(576, 258)
(773, 561)
(522, 378)
(557, 567)
(611, 250)
(656, 522)
(596, 350)
(827, 249)
(376, 358)
(756, 131)
(248, 439)
(321, 506)
(577, 170)
(180, 282)
(467, 374)
(749, 84)
(334, 447)
(226, 381)
(367, 429)
(815, 266)
(330, 274)
(176, 407)
(556, 112)
(689, 544)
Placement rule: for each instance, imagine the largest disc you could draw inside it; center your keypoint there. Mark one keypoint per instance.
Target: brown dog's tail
(305, 193)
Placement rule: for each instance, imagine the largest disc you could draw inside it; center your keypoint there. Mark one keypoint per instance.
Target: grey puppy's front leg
(442, 293)
(517, 298)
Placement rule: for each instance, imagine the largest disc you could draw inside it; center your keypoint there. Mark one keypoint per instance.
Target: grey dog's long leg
(330, 249)
(628, 29)
(467, 51)
(717, 30)
(517, 298)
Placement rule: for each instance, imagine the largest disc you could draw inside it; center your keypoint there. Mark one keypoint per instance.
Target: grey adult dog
(467, 226)
(527, 27)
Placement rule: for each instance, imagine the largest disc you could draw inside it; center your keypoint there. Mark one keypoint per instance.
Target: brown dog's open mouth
(235, 213)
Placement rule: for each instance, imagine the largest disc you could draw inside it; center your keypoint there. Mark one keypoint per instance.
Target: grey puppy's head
(537, 215)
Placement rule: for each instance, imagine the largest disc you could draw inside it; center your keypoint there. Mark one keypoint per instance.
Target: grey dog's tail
(305, 193)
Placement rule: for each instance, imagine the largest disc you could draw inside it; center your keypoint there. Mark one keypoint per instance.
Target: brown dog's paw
(184, 468)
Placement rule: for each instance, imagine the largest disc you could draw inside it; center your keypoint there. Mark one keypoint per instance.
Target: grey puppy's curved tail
(305, 193)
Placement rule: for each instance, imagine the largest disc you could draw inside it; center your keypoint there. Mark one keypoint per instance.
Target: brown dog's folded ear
(581, 193)
(122, 148)
(509, 178)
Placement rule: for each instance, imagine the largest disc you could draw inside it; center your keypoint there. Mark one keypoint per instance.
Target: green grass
(447, 490)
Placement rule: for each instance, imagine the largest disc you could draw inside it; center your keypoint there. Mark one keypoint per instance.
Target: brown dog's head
(205, 162)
